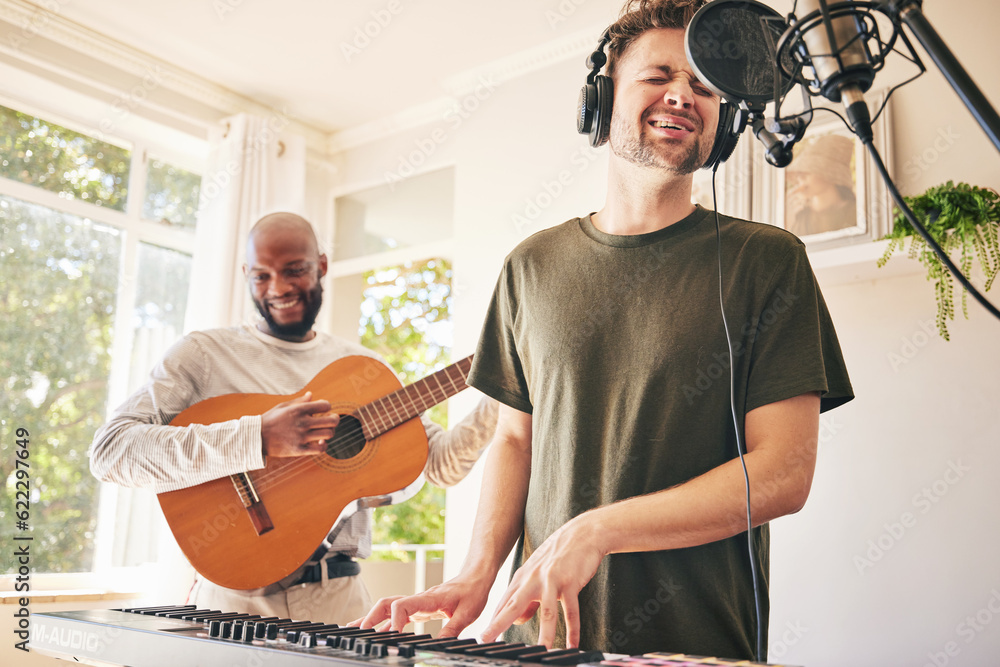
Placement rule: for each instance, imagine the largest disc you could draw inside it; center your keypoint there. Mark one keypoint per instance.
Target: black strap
(337, 566)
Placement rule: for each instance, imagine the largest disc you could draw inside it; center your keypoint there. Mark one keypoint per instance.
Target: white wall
(898, 542)
(913, 421)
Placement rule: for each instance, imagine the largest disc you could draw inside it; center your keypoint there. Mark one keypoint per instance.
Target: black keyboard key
(577, 657)
(515, 652)
(479, 649)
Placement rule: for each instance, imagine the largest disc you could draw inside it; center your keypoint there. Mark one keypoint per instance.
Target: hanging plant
(959, 217)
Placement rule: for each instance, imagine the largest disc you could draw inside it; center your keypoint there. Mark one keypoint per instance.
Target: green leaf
(962, 219)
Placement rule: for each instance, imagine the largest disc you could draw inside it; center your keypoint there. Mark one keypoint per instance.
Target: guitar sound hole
(348, 439)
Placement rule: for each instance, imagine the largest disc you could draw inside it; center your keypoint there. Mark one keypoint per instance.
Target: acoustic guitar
(254, 528)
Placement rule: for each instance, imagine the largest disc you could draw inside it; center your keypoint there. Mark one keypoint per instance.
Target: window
(59, 274)
(95, 254)
(59, 160)
(171, 194)
(383, 237)
(405, 317)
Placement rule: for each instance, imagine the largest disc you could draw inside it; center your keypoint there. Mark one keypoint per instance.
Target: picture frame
(831, 194)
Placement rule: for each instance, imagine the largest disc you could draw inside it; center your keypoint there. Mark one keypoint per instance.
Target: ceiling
(338, 65)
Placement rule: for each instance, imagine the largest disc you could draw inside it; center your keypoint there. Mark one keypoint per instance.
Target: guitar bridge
(252, 503)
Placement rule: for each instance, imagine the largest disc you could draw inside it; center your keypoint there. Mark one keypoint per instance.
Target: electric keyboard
(185, 636)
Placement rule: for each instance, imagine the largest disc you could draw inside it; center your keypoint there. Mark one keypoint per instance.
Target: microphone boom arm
(911, 13)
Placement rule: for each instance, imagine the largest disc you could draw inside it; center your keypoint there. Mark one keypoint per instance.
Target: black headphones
(597, 98)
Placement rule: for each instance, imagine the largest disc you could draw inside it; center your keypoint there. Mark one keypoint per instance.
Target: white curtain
(254, 168)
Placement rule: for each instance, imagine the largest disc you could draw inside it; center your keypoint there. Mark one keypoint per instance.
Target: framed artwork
(831, 193)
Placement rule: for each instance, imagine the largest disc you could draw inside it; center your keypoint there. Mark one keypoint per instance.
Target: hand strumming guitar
(299, 427)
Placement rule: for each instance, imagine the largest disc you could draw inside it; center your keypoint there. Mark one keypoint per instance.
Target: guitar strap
(323, 550)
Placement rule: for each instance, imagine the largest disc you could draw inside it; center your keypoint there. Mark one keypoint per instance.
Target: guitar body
(301, 496)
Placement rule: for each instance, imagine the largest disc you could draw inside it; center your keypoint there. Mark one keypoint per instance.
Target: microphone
(832, 41)
(835, 48)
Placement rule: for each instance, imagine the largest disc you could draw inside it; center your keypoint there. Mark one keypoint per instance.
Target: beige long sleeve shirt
(136, 447)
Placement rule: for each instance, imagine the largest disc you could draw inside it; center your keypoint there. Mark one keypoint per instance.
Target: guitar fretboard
(412, 400)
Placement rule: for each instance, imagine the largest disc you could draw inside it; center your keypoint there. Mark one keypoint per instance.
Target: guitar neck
(413, 400)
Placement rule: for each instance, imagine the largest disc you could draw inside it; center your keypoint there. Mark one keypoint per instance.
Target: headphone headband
(598, 59)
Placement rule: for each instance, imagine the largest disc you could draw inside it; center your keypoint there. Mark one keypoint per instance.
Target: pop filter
(731, 47)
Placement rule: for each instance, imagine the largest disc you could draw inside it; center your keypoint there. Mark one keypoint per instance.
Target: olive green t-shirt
(615, 345)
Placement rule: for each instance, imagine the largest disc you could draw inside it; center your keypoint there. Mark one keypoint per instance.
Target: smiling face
(283, 270)
(663, 117)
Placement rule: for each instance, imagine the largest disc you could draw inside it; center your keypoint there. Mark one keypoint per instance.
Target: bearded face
(284, 271)
(663, 117)
(292, 314)
(633, 144)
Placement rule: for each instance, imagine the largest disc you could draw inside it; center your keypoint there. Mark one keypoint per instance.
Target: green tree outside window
(406, 318)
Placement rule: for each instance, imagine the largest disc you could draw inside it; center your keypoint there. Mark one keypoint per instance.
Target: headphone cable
(759, 651)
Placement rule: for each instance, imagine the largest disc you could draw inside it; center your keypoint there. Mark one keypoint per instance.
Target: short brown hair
(638, 16)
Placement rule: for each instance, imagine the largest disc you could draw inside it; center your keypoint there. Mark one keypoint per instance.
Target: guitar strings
(345, 442)
(348, 441)
(340, 443)
(353, 440)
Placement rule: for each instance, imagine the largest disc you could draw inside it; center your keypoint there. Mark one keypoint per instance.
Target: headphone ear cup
(586, 108)
(727, 134)
(603, 103)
